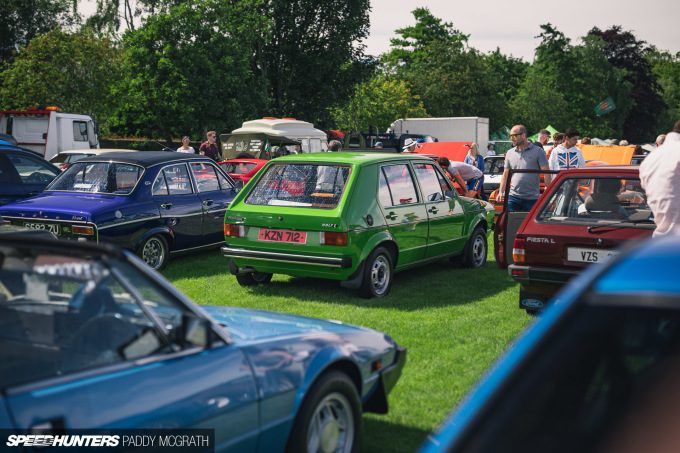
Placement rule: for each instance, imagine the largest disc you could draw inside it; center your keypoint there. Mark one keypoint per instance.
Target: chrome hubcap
(331, 427)
(478, 251)
(380, 274)
(153, 253)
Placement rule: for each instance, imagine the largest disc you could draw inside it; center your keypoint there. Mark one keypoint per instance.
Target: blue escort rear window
(99, 177)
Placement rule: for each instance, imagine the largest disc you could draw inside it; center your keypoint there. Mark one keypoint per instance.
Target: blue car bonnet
(250, 324)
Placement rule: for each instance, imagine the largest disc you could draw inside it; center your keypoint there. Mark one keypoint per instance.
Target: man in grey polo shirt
(524, 187)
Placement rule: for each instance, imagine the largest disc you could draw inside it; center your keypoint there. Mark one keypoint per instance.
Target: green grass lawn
(453, 321)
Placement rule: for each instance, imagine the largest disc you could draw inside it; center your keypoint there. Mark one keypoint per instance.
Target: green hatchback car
(352, 217)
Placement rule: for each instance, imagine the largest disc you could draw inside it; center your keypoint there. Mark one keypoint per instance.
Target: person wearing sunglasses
(209, 148)
(185, 148)
(524, 187)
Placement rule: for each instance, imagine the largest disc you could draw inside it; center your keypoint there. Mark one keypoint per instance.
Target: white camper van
(47, 131)
(311, 140)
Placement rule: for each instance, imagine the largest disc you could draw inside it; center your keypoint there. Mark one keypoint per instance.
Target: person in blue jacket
(475, 159)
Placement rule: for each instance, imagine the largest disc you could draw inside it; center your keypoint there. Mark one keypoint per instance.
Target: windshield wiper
(616, 224)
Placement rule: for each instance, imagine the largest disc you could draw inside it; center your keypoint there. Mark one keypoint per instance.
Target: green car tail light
(234, 231)
(332, 238)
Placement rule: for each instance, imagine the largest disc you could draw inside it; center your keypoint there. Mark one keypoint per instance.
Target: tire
(254, 278)
(477, 249)
(329, 419)
(154, 252)
(378, 274)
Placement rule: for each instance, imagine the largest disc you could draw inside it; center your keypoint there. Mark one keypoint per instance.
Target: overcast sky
(512, 26)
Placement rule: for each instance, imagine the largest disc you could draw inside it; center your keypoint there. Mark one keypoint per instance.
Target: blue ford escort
(152, 203)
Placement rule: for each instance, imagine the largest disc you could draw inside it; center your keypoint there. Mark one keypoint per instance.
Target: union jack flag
(567, 160)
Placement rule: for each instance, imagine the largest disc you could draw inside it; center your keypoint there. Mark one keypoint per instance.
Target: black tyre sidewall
(469, 261)
(166, 254)
(367, 290)
(330, 382)
(250, 280)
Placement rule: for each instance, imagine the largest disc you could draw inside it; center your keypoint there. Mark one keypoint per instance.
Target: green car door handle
(433, 210)
(391, 216)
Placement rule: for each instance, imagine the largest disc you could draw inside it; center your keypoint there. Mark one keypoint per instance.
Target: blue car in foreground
(152, 203)
(599, 370)
(91, 338)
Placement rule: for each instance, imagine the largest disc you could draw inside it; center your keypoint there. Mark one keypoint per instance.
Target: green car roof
(345, 157)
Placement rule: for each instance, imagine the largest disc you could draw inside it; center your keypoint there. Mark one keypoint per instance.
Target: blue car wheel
(329, 419)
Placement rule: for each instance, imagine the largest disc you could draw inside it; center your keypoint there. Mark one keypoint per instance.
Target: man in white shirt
(660, 177)
(567, 155)
(659, 140)
(491, 149)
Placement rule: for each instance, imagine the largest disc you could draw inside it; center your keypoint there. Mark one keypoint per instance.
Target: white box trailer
(453, 129)
(48, 131)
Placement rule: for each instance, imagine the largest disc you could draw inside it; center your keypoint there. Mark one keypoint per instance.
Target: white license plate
(583, 255)
(44, 226)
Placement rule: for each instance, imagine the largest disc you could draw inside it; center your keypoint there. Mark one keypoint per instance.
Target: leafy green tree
(414, 44)
(595, 79)
(23, 20)
(539, 102)
(78, 72)
(566, 82)
(192, 71)
(624, 51)
(450, 78)
(666, 68)
(309, 54)
(378, 102)
(110, 15)
(508, 72)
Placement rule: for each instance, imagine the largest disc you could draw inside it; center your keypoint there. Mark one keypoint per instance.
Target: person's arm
(544, 164)
(547, 177)
(461, 183)
(501, 194)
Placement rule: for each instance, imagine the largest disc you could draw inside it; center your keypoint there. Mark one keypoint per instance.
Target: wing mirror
(194, 332)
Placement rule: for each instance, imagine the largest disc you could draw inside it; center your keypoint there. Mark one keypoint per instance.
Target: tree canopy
(182, 68)
(78, 72)
(23, 20)
(192, 70)
(378, 102)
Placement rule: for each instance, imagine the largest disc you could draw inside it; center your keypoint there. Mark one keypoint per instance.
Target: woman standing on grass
(475, 159)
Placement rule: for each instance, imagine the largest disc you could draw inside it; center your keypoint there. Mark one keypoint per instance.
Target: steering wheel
(38, 178)
(97, 342)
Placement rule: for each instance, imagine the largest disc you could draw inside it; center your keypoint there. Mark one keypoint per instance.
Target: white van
(47, 131)
(312, 140)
